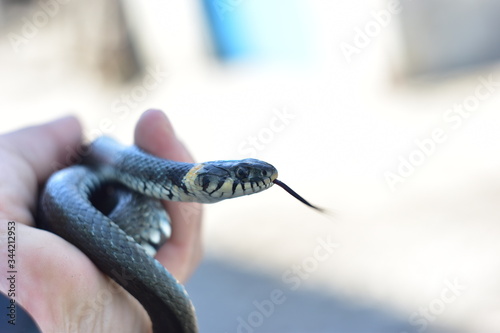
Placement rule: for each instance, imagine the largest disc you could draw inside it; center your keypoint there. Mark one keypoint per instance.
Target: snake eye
(242, 172)
(264, 173)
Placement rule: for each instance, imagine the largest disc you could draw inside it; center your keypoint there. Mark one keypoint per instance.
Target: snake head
(219, 180)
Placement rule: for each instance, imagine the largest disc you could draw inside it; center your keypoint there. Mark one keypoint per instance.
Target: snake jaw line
(296, 195)
(214, 181)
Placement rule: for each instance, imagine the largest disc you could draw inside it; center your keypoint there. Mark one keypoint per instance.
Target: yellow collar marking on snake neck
(190, 177)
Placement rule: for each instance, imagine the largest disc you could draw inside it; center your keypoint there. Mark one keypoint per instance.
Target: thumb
(28, 157)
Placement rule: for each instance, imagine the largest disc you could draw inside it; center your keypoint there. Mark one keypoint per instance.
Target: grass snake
(108, 206)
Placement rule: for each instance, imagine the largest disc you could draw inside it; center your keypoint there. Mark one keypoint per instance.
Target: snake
(109, 207)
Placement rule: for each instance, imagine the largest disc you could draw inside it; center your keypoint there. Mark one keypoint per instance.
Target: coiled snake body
(88, 206)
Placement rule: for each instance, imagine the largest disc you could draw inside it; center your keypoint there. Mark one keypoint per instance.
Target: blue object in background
(262, 30)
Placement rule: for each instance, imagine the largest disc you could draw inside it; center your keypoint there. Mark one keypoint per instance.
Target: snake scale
(108, 206)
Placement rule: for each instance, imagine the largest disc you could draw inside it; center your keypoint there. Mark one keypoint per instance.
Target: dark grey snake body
(68, 208)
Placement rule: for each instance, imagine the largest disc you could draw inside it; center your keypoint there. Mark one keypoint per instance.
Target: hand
(55, 282)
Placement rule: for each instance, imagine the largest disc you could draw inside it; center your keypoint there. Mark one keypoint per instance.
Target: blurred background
(383, 112)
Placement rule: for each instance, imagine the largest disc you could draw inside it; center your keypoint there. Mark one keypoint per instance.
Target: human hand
(55, 282)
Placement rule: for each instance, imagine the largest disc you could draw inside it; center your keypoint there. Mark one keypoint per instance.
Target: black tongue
(296, 195)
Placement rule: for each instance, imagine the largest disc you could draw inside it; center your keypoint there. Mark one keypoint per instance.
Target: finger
(72, 285)
(46, 147)
(154, 133)
(28, 157)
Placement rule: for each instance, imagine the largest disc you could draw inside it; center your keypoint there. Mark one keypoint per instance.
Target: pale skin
(56, 283)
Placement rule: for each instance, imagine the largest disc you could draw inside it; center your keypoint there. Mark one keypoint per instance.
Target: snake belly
(68, 208)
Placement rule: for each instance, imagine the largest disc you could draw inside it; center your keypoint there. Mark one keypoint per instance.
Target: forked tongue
(296, 195)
